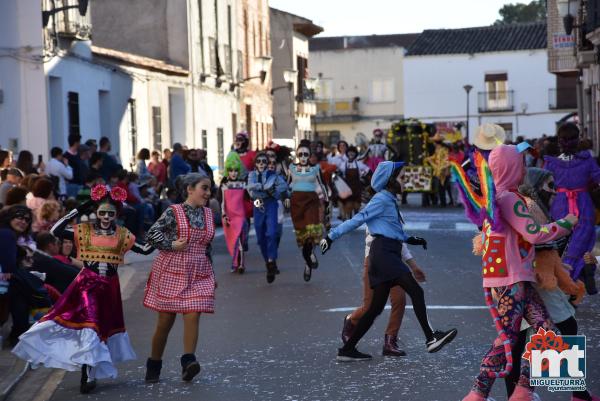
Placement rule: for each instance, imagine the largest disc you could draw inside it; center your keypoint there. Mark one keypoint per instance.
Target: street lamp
(567, 10)
(264, 63)
(467, 89)
(289, 77)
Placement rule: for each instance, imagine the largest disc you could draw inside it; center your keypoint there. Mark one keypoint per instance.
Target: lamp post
(264, 63)
(567, 10)
(467, 89)
(289, 77)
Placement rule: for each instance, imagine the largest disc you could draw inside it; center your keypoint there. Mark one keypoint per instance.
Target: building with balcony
(293, 92)
(506, 67)
(352, 102)
(256, 103)
(579, 21)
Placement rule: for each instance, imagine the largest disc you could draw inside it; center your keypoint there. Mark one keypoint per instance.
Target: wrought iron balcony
(338, 110)
(490, 102)
(559, 99)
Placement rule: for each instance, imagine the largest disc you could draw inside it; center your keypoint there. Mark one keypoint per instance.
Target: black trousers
(380, 296)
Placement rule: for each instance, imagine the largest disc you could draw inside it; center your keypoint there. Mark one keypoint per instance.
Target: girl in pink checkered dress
(182, 279)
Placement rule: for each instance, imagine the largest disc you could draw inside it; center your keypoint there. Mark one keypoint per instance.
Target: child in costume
(387, 269)
(233, 193)
(85, 327)
(182, 280)
(508, 232)
(305, 205)
(397, 299)
(573, 171)
(266, 188)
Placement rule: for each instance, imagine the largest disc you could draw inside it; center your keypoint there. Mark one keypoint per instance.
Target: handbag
(342, 189)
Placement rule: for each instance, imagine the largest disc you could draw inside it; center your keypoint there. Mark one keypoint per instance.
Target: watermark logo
(556, 362)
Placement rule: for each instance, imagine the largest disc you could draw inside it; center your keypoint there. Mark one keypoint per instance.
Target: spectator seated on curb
(16, 196)
(59, 275)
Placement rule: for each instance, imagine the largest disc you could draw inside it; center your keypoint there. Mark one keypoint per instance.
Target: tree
(519, 12)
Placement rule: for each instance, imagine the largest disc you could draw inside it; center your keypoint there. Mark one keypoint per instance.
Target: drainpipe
(580, 109)
(192, 72)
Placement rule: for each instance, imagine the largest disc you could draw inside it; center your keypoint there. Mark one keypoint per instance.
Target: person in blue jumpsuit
(266, 188)
(386, 269)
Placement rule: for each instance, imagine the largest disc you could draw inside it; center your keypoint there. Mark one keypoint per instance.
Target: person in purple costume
(573, 172)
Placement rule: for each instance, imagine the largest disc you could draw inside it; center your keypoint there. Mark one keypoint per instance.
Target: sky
(354, 17)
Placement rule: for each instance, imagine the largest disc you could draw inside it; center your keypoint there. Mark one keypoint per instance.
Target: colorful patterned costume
(86, 326)
(305, 204)
(572, 175)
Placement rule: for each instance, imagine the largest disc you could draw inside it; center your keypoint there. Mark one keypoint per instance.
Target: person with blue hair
(387, 269)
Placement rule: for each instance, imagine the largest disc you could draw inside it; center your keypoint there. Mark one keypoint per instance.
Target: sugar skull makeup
(261, 163)
(303, 155)
(106, 214)
(232, 174)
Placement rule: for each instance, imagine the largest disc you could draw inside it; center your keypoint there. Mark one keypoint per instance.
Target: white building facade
(353, 101)
(506, 68)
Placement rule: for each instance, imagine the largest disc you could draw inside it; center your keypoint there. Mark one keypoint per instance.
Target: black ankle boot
(587, 274)
(153, 368)
(271, 271)
(189, 367)
(86, 386)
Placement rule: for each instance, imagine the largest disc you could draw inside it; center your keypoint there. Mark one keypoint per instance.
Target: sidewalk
(12, 369)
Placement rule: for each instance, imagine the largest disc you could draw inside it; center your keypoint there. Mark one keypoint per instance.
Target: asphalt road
(278, 342)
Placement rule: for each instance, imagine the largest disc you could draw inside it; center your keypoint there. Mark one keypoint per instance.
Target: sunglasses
(24, 218)
(261, 161)
(106, 213)
(303, 154)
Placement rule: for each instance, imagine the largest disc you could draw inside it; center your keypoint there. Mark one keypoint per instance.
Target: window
(302, 66)
(382, 90)
(204, 140)
(220, 149)
(132, 127)
(246, 45)
(508, 129)
(201, 35)
(229, 47)
(260, 39)
(73, 107)
(212, 43)
(496, 86)
(157, 128)
(240, 73)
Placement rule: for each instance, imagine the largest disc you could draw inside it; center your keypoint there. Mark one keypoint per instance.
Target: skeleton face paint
(107, 214)
(303, 156)
(261, 163)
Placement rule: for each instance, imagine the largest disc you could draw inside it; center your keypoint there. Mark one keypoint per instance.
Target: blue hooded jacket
(382, 214)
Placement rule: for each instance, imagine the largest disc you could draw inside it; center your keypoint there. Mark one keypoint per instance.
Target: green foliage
(519, 12)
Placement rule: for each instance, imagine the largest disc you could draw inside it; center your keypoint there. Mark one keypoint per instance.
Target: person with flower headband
(85, 329)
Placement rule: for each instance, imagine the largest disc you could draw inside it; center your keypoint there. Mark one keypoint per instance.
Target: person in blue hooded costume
(387, 269)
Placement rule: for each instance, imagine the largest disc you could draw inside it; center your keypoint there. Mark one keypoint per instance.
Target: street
(279, 341)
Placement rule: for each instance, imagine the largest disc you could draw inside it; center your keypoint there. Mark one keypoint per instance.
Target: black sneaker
(307, 273)
(153, 370)
(271, 272)
(352, 355)
(440, 338)
(86, 386)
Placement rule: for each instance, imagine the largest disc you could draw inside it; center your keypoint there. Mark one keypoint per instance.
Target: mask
(106, 214)
(351, 156)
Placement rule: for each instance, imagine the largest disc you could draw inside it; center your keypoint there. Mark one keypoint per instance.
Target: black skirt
(385, 261)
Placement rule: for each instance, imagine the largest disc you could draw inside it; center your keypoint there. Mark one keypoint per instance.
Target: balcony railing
(68, 22)
(338, 109)
(559, 99)
(490, 102)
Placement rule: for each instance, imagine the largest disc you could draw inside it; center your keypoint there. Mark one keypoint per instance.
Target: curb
(6, 392)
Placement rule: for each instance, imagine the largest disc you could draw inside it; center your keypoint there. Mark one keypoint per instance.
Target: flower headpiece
(100, 191)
